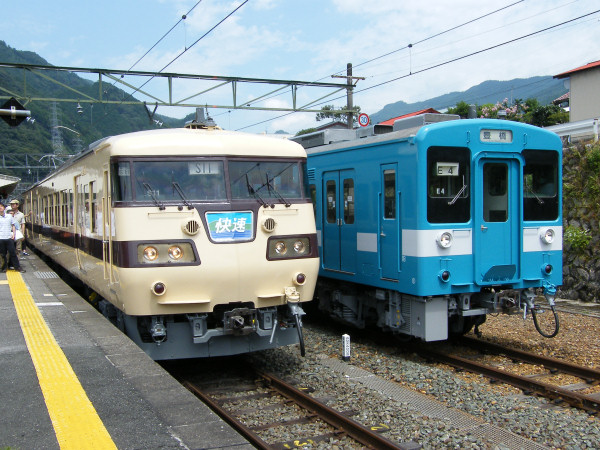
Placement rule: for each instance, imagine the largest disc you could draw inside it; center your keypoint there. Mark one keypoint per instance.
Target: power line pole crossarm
(349, 90)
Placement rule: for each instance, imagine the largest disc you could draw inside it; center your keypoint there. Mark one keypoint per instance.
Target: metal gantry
(197, 99)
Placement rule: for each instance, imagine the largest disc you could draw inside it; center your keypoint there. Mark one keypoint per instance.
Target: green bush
(577, 238)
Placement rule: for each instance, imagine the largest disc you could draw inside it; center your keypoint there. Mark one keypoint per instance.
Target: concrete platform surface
(82, 383)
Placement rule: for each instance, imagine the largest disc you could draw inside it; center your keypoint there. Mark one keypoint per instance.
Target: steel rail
(341, 423)
(334, 418)
(586, 373)
(252, 437)
(526, 384)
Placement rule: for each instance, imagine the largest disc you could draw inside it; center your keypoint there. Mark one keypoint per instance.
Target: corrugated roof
(416, 113)
(578, 69)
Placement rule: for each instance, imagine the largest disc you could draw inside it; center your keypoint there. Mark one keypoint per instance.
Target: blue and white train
(425, 228)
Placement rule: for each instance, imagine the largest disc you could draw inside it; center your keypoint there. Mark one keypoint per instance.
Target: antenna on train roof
(201, 122)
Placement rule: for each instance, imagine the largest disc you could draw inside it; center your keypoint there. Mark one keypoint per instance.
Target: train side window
(331, 199)
(70, 216)
(93, 206)
(540, 185)
(348, 201)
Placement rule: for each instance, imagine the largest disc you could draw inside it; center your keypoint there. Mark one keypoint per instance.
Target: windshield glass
(540, 185)
(264, 179)
(448, 174)
(196, 179)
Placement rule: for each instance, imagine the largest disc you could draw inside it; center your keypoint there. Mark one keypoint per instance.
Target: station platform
(70, 379)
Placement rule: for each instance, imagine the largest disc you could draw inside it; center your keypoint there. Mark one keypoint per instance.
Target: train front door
(339, 229)
(107, 251)
(496, 221)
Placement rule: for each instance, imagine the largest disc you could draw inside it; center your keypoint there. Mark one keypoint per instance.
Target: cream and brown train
(199, 242)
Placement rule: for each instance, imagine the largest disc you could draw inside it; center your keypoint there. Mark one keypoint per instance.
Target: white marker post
(345, 347)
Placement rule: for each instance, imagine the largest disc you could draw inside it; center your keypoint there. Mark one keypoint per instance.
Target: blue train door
(496, 222)
(388, 223)
(339, 229)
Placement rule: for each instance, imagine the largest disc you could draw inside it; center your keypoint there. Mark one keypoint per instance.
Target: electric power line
(440, 64)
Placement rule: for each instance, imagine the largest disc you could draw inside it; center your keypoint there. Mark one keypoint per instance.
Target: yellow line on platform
(76, 422)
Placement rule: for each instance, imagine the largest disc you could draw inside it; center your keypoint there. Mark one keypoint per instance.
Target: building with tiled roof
(584, 96)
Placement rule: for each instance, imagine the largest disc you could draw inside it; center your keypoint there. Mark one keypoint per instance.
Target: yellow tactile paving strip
(73, 416)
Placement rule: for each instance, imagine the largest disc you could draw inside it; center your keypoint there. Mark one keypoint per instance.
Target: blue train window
(448, 185)
(389, 194)
(349, 201)
(495, 194)
(331, 196)
(540, 185)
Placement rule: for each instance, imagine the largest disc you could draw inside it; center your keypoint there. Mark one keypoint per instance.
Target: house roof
(562, 98)
(416, 113)
(578, 69)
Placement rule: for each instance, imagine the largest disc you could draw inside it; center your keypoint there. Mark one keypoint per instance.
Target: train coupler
(158, 330)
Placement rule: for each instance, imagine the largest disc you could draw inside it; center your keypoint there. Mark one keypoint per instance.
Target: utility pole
(349, 88)
(350, 101)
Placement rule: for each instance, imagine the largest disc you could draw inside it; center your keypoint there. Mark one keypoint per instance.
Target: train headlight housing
(288, 248)
(444, 240)
(165, 253)
(547, 236)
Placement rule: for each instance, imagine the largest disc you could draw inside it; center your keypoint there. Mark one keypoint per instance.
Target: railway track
(529, 384)
(289, 406)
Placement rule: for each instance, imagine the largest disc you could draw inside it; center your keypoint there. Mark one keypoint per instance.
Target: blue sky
(310, 40)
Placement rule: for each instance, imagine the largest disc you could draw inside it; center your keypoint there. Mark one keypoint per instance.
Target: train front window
(448, 185)
(278, 180)
(540, 185)
(194, 180)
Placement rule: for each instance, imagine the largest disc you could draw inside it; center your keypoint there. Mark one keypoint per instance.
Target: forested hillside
(91, 121)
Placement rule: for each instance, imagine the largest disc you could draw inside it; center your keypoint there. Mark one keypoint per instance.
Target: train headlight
(175, 252)
(150, 253)
(288, 248)
(547, 236)
(280, 248)
(299, 247)
(444, 240)
(166, 253)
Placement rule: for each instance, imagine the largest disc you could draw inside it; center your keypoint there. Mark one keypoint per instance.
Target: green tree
(329, 112)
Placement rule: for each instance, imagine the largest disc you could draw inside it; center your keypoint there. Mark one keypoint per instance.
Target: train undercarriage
(230, 329)
(431, 318)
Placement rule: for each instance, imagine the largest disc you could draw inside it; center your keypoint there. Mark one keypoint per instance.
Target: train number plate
(504, 136)
(230, 226)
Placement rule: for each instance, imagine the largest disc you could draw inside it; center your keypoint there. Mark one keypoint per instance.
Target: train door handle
(483, 228)
(382, 234)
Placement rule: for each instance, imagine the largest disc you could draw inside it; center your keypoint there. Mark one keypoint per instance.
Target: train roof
(418, 129)
(189, 142)
(194, 142)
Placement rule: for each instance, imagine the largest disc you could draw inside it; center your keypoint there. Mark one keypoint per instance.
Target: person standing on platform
(8, 226)
(20, 217)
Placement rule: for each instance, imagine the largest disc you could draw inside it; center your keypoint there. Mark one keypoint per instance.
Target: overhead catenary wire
(435, 66)
(417, 42)
(188, 48)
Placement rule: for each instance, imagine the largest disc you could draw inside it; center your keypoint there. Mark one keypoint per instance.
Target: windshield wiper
(276, 192)
(530, 190)
(253, 192)
(462, 189)
(151, 192)
(180, 192)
